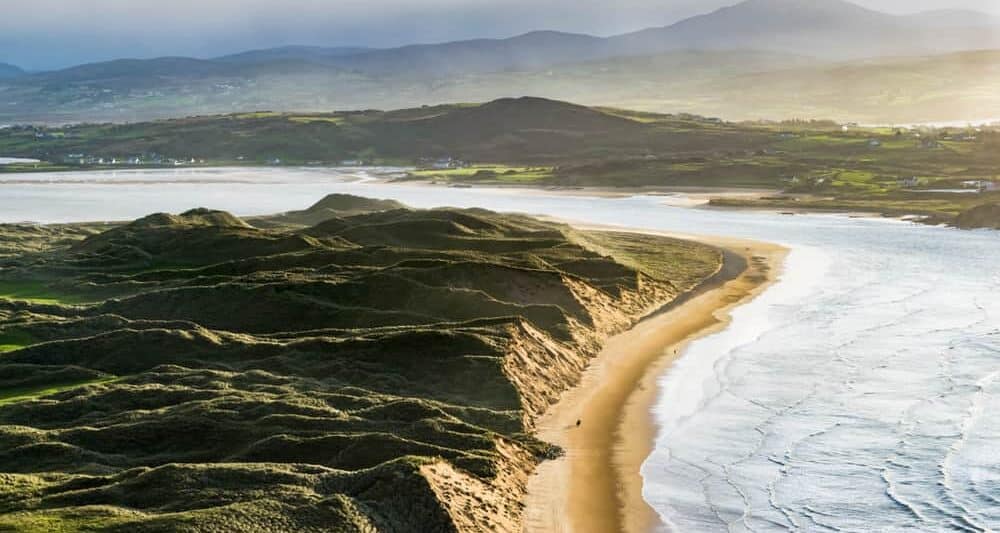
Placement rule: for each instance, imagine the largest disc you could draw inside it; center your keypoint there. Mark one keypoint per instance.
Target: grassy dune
(379, 369)
(33, 292)
(12, 339)
(9, 396)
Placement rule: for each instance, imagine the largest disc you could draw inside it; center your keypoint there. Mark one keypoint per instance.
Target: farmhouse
(980, 185)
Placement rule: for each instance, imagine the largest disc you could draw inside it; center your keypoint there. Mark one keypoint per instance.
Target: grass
(683, 263)
(11, 396)
(11, 340)
(32, 167)
(306, 119)
(859, 181)
(487, 173)
(35, 292)
(256, 115)
(85, 519)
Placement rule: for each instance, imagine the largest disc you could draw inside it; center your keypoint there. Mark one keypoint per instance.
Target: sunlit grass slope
(356, 366)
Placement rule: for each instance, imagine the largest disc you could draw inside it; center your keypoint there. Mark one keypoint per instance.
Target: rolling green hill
(540, 141)
(380, 370)
(506, 129)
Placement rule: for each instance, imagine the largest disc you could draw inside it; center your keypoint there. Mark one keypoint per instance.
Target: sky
(48, 34)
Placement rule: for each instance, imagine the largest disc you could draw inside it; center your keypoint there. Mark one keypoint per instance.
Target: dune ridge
(378, 370)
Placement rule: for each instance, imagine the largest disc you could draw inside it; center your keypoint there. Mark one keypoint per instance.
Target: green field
(486, 173)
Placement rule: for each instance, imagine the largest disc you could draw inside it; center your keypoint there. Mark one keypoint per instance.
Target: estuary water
(859, 393)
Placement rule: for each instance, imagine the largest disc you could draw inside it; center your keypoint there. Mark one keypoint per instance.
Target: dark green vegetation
(758, 59)
(379, 369)
(820, 165)
(333, 206)
(529, 129)
(983, 216)
(965, 211)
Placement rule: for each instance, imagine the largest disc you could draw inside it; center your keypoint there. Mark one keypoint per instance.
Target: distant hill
(528, 129)
(703, 64)
(953, 18)
(317, 54)
(524, 52)
(508, 116)
(735, 85)
(833, 29)
(950, 87)
(135, 73)
(9, 71)
(128, 72)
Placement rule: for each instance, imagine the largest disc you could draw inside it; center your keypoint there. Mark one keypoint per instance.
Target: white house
(442, 164)
(980, 185)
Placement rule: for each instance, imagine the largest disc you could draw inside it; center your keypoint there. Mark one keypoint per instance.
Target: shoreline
(596, 486)
(689, 196)
(698, 194)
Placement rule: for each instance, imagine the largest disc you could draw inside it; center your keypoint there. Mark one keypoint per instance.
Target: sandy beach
(687, 195)
(597, 486)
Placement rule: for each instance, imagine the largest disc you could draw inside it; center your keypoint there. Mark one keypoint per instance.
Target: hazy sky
(40, 34)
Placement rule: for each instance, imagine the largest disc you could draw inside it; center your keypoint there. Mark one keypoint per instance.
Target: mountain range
(9, 71)
(752, 37)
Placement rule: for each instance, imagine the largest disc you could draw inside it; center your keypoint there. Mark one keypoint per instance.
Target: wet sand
(692, 195)
(597, 485)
